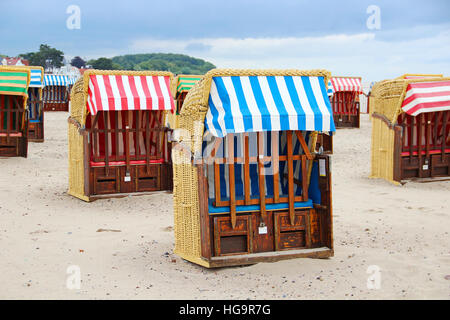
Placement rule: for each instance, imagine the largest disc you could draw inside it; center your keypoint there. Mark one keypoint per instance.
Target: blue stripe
(301, 114)
(327, 102)
(225, 98)
(215, 118)
(262, 106)
(243, 107)
(312, 102)
(279, 103)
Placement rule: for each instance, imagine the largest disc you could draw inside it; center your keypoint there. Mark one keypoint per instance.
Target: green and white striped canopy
(14, 82)
(186, 82)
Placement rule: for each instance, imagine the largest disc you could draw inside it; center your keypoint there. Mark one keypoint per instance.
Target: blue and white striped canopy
(56, 80)
(72, 79)
(240, 104)
(330, 90)
(36, 78)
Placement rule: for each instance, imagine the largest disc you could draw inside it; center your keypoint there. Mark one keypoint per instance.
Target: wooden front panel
(57, 106)
(141, 179)
(13, 147)
(424, 167)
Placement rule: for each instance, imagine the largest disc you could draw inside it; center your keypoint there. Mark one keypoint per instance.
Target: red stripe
(137, 102)
(122, 163)
(109, 92)
(158, 93)
(428, 105)
(123, 96)
(172, 102)
(425, 95)
(432, 84)
(148, 96)
(98, 103)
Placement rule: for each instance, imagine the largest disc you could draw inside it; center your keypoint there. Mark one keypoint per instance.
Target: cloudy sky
(414, 36)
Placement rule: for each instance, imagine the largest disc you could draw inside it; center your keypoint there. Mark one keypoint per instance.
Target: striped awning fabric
(346, 84)
(36, 78)
(56, 80)
(14, 82)
(186, 82)
(422, 97)
(240, 104)
(330, 91)
(124, 92)
(71, 80)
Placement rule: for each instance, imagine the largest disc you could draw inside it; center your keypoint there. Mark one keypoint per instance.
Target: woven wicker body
(118, 178)
(389, 157)
(193, 226)
(13, 111)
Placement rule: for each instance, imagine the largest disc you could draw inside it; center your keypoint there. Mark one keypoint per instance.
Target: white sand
(404, 230)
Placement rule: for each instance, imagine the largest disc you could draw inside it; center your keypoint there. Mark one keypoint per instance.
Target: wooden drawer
(284, 221)
(153, 170)
(103, 183)
(291, 240)
(229, 241)
(224, 225)
(293, 236)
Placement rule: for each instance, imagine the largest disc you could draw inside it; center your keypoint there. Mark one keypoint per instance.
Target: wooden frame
(13, 127)
(238, 238)
(56, 98)
(110, 174)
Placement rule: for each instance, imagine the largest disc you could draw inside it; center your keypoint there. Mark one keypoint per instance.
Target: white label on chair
(425, 167)
(322, 170)
(262, 230)
(127, 179)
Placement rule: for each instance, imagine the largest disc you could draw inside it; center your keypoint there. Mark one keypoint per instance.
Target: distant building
(7, 61)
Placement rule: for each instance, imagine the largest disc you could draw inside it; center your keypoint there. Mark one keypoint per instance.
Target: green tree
(46, 57)
(101, 64)
(78, 62)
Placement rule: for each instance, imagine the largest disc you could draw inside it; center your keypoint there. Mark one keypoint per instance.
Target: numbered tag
(127, 178)
(262, 230)
(425, 167)
(322, 168)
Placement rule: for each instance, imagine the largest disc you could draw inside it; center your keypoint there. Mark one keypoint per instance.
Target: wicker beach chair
(411, 128)
(14, 84)
(345, 101)
(56, 93)
(117, 139)
(248, 186)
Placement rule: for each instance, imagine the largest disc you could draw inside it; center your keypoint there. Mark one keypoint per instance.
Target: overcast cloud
(414, 35)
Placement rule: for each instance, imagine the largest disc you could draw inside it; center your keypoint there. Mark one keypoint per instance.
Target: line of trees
(50, 58)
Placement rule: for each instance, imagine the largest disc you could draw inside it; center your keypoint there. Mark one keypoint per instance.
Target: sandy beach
(124, 247)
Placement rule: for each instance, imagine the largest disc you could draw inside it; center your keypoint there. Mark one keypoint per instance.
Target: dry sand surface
(404, 230)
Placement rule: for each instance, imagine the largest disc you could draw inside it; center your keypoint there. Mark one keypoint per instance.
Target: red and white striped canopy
(125, 92)
(346, 84)
(424, 97)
